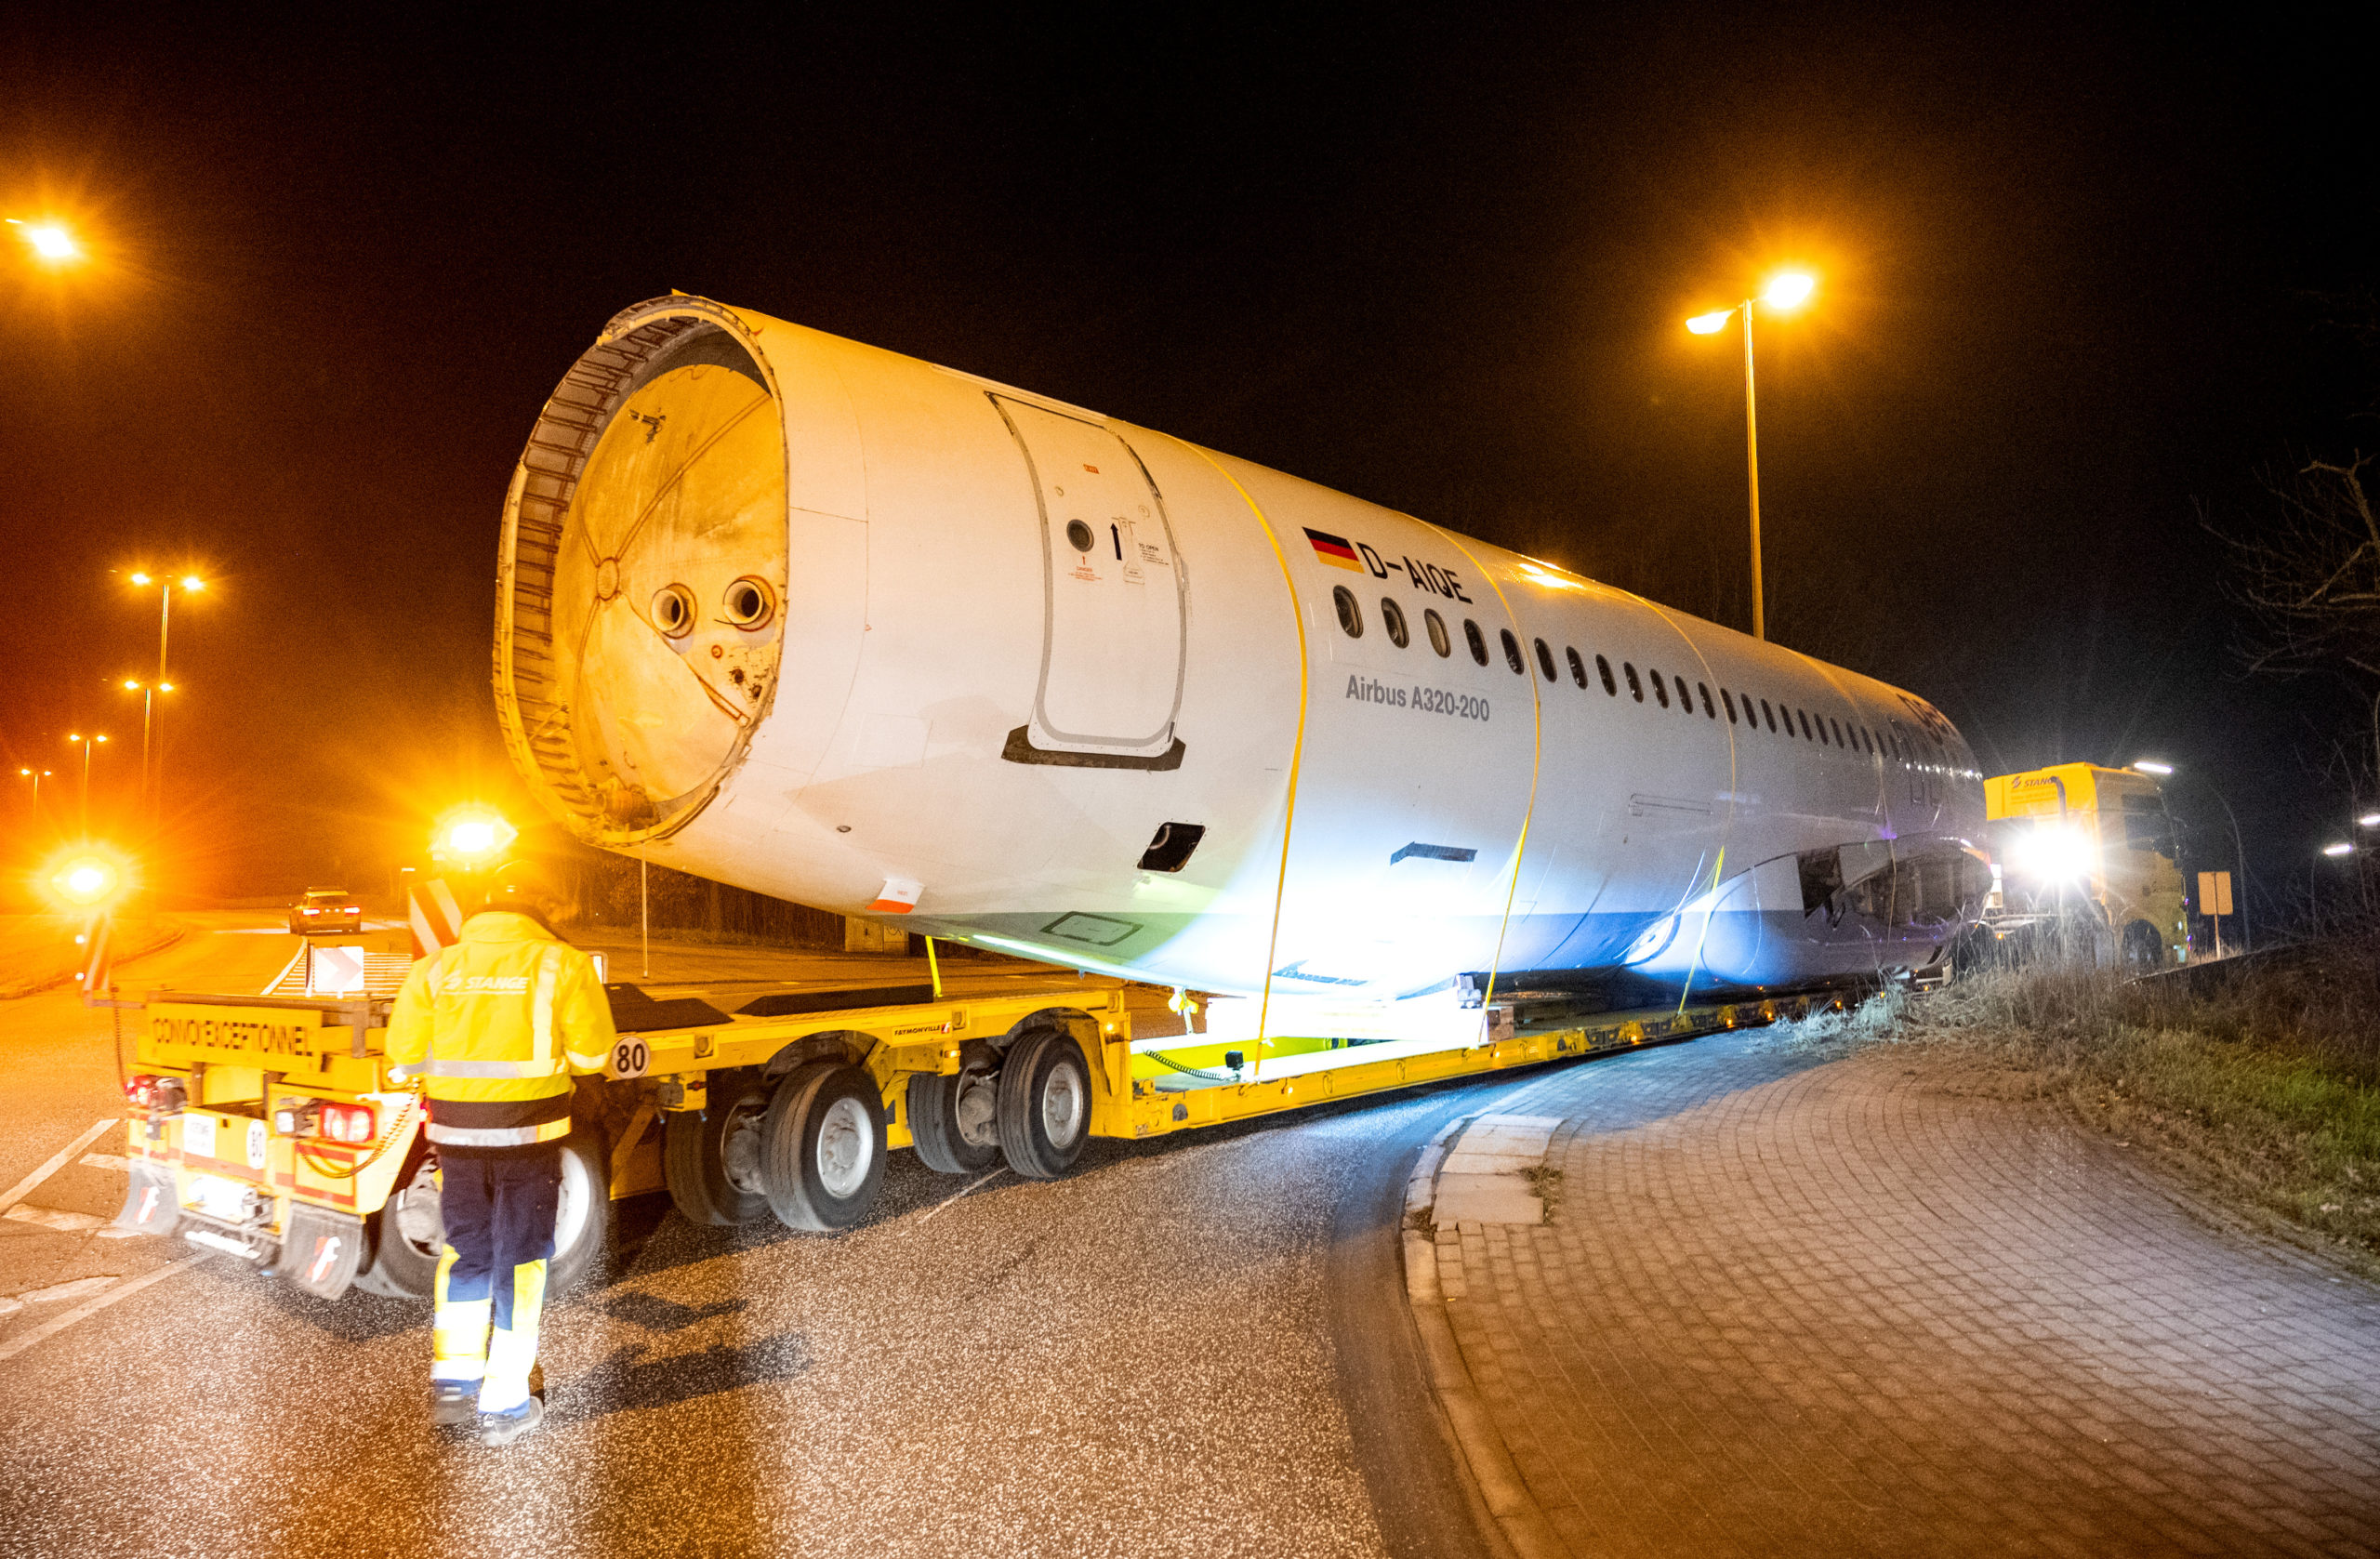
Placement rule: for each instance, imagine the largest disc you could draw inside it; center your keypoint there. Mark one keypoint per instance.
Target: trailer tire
(712, 1161)
(406, 1234)
(954, 1121)
(583, 1217)
(1045, 1104)
(823, 1147)
(2144, 951)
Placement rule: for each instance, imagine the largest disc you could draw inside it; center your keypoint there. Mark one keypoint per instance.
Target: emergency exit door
(1113, 600)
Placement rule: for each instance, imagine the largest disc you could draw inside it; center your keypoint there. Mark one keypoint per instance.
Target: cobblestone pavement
(1795, 1305)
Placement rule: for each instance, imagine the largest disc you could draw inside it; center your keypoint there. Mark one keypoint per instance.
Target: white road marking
(49, 1218)
(57, 1161)
(948, 1200)
(18, 1344)
(73, 1289)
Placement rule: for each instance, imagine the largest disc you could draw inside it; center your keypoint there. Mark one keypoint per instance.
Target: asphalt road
(1195, 1346)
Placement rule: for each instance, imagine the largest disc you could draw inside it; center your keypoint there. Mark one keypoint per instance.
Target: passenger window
(1476, 639)
(1545, 662)
(1603, 669)
(1822, 741)
(1771, 714)
(1710, 709)
(1729, 699)
(1512, 652)
(1685, 699)
(1806, 734)
(1438, 626)
(1392, 618)
(1636, 688)
(1838, 731)
(1660, 689)
(1351, 616)
(1577, 667)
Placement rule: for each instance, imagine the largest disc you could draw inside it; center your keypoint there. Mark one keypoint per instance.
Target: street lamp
(188, 582)
(87, 743)
(1786, 291)
(2239, 851)
(52, 242)
(36, 775)
(147, 692)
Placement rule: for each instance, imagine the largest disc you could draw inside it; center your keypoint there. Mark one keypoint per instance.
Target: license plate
(198, 1135)
(218, 1197)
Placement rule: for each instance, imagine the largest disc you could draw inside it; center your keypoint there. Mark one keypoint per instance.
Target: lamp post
(1786, 291)
(86, 744)
(147, 692)
(36, 775)
(2239, 851)
(153, 772)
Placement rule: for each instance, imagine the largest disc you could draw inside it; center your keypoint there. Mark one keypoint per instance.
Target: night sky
(2077, 271)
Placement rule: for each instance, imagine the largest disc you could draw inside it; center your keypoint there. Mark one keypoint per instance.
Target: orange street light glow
(50, 241)
(1788, 289)
(1711, 324)
(140, 580)
(193, 582)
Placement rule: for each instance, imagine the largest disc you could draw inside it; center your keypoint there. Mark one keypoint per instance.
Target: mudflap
(151, 1205)
(320, 1250)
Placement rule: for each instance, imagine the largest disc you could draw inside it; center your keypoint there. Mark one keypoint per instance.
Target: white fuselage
(963, 709)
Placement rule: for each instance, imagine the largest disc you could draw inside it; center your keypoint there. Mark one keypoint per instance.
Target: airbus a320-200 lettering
(852, 629)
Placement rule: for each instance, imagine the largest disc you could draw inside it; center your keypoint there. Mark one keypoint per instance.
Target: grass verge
(2260, 1084)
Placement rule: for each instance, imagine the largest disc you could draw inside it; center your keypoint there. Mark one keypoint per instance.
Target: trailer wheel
(822, 1147)
(583, 1216)
(711, 1158)
(1044, 1105)
(954, 1121)
(2144, 950)
(407, 1232)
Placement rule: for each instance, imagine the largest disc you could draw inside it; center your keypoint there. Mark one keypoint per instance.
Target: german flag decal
(1334, 551)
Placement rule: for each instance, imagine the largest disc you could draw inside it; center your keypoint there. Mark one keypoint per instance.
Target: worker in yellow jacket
(492, 1026)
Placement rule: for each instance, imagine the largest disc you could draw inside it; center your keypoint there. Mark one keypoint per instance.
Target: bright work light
(1711, 324)
(2054, 853)
(2340, 848)
(85, 879)
(474, 836)
(2150, 766)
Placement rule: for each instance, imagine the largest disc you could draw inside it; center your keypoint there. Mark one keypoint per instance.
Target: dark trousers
(499, 1212)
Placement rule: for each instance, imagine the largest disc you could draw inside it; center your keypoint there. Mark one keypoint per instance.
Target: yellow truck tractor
(2084, 864)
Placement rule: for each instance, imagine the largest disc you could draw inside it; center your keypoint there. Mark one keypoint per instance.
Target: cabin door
(1113, 600)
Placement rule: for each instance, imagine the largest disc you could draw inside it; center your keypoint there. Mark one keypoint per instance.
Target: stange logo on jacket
(461, 983)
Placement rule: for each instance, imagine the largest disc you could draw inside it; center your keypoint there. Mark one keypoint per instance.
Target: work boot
(453, 1403)
(502, 1429)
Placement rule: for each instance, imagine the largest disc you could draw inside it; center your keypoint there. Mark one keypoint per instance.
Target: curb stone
(1514, 1524)
(171, 934)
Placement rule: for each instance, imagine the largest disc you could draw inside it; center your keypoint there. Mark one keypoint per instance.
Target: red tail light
(140, 1092)
(350, 1123)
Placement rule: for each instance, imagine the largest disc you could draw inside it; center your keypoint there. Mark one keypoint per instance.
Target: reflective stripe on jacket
(493, 1026)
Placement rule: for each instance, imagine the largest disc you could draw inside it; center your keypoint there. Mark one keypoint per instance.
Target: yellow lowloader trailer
(268, 1128)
